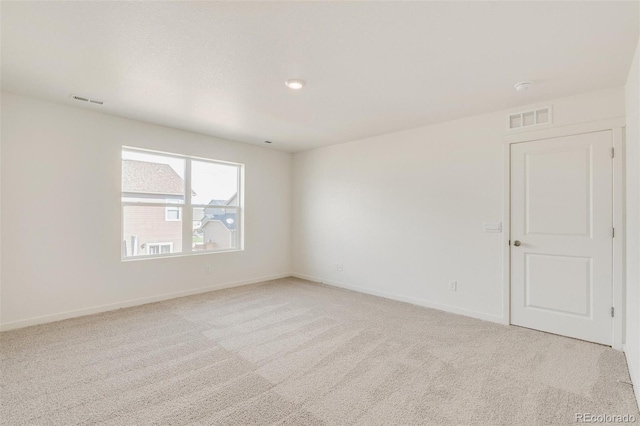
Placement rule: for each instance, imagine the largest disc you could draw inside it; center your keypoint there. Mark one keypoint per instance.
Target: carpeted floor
(292, 352)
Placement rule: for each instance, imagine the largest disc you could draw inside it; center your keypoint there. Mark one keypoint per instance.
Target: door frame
(616, 126)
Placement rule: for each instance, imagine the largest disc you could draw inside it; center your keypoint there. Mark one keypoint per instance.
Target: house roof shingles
(150, 178)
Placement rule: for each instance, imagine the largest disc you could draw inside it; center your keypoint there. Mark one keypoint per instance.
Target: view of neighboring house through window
(172, 213)
(157, 248)
(173, 204)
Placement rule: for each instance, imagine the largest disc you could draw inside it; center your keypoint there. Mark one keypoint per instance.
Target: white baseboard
(414, 301)
(129, 303)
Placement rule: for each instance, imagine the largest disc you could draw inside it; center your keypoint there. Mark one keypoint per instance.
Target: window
(172, 213)
(159, 248)
(173, 204)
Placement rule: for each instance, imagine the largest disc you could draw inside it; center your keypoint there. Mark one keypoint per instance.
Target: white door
(561, 236)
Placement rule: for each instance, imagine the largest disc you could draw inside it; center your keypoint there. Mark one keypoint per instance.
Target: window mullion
(187, 211)
(143, 204)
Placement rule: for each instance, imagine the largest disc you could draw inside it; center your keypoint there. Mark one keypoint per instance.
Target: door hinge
(613, 232)
(613, 152)
(612, 312)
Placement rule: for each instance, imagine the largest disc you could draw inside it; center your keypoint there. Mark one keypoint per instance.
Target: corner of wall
(632, 150)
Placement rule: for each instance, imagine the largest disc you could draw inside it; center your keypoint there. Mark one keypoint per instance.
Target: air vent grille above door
(534, 117)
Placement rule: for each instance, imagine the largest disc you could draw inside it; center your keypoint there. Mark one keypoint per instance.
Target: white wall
(632, 345)
(0, 208)
(61, 214)
(404, 212)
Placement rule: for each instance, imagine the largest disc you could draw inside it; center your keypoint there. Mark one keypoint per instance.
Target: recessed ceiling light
(295, 84)
(524, 85)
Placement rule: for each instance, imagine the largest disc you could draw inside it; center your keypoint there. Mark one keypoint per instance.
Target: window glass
(216, 229)
(152, 178)
(146, 231)
(214, 183)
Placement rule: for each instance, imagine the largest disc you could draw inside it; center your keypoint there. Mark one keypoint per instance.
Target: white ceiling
(219, 67)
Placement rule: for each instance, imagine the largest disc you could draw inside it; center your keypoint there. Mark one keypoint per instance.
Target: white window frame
(186, 208)
(159, 245)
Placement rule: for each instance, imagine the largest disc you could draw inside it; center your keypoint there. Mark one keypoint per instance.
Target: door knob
(517, 243)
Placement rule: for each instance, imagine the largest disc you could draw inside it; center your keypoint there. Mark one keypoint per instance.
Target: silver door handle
(517, 243)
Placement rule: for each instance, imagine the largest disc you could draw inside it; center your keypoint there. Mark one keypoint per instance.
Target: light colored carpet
(292, 352)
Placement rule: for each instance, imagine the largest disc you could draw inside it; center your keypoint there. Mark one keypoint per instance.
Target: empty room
(319, 213)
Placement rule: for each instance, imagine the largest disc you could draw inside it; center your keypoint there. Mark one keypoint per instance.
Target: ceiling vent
(83, 99)
(535, 117)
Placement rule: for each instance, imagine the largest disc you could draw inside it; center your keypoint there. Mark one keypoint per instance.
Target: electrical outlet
(207, 270)
(339, 267)
(453, 285)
